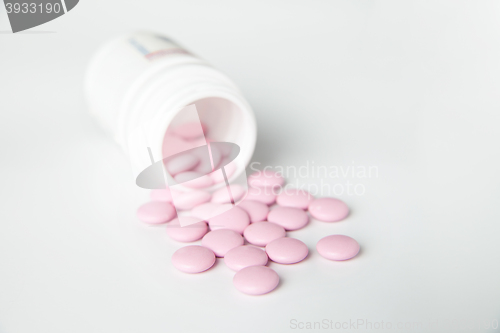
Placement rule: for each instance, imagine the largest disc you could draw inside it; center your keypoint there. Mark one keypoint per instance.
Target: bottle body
(139, 85)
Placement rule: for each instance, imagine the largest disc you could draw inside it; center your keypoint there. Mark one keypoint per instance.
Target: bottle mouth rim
(247, 116)
(156, 118)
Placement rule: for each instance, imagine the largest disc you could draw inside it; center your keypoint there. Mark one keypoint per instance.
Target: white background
(409, 87)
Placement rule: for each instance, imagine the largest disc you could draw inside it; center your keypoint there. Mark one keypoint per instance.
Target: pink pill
(294, 198)
(288, 217)
(189, 200)
(207, 160)
(193, 179)
(262, 233)
(234, 219)
(181, 163)
(264, 195)
(156, 212)
(190, 131)
(222, 194)
(287, 250)
(210, 209)
(245, 256)
(266, 178)
(257, 211)
(173, 145)
(217, 175)
(192, 231)
(163, 194)
(337, 247)
(256, 280)
(328, 209)
(193, 259)
(221, 241)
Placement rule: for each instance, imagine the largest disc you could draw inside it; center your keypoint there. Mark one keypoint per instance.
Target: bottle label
(153, 47)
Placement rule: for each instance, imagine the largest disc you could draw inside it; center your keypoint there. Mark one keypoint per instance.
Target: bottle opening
(201, 152)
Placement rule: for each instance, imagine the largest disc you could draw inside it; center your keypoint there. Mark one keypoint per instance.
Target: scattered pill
(264, 195)
(266, 178)
(250, 219)
(286, 250)
(337, 247)
(189, 200)
(294, 198)
(222, 195)
(209, 209)
(256, 280)
(156, 212)
(245, 256)
(328, 209)
(193, 259)
(181, 163)
(192, 231)
(262, 233)
(234, 219)
(289, 218)
(221, 241)
(257, 211)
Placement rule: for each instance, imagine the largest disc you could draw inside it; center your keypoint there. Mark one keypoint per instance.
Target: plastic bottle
(137, 86)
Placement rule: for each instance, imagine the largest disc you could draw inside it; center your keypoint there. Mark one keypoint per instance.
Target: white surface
(409, 88)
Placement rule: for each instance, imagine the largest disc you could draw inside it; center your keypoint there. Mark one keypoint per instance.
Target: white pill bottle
(138, 85)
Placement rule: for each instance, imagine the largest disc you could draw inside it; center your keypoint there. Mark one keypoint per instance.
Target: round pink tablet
(193, 259)
(328, 209)
(181, 163)
(266, 178)
(234, 219)
(190, 131)
(156, 212)
(256, 280)
(222, 195)
(262, 233)
(189, 200)
(193, 179)
(163, 194)
(257, 211)
(288, 217)
(337, 247)
(209, 209)
(245, 256)
(264, 195)
(189, 233)
(294, 198)
(221, 241)
(286, 250)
